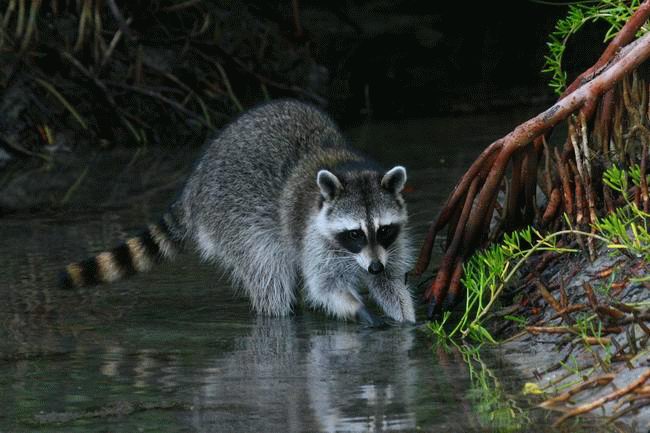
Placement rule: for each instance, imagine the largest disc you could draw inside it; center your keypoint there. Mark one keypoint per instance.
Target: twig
(601, 401)
(547, 296)
(35, 6)
(111, 46)
(18, 148)
(120, 19)
(591, 383)
(296, 18)
(161, 98)
(182, 5)
(226, 82)
(47, 86)
(100, 85)
(551, 330)
(74, 186)
(631, 408)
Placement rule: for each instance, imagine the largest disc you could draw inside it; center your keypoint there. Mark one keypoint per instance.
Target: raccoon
(281, 201)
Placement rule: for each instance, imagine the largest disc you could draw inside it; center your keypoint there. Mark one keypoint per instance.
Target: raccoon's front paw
(408, 310)
(399, 309)
(368, 319)
(401, 318)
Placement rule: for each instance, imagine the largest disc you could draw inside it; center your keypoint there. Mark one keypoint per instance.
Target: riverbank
(580, 335)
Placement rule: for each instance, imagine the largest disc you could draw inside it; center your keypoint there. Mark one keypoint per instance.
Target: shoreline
(557, 359)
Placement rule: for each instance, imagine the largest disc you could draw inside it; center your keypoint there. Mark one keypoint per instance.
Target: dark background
(384, 59)
(414, 58)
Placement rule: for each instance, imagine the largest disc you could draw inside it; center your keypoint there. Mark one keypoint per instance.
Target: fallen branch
(588, 407)
(568, 330)
(565, 396)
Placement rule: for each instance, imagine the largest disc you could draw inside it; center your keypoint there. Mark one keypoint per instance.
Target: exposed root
(568, 175)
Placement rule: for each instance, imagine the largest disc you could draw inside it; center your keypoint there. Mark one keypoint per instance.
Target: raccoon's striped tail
(137, 254)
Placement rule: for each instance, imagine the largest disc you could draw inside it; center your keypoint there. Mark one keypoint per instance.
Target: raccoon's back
(240, 177)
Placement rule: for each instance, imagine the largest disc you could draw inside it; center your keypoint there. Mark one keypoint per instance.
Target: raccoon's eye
(352, 240)
(386, 231)
(386, 235)
(355, 234)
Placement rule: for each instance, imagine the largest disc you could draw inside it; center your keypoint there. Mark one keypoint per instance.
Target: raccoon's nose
(375, 267)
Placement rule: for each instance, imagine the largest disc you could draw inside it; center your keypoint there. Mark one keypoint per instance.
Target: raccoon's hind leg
(260, 265)
(270, 281)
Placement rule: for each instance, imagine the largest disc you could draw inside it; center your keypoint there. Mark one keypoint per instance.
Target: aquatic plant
(494, 405)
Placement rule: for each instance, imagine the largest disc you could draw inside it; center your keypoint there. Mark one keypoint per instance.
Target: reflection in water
(302, 376)
(374, 402)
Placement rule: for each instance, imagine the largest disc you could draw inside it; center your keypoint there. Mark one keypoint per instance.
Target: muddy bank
(585, 342)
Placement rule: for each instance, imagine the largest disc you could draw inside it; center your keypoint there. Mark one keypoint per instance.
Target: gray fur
(253, 203)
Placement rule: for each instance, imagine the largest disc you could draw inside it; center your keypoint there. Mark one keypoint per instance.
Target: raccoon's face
(362, 214)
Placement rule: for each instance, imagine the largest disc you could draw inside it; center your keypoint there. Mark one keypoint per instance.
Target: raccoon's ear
(394, 179)
(329, 184)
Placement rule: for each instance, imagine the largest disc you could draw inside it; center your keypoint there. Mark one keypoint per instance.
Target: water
(176, 350)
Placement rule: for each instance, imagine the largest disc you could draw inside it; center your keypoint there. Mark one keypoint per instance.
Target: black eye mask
(386, 235)
(352, 240)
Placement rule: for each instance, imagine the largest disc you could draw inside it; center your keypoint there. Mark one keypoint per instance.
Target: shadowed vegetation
(117, 72)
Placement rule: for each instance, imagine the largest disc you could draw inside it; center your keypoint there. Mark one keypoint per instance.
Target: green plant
(614, 12)
(489, 271)
(571, 365)
(627, 227)
(493, 405)
(521, 321)
(437, 327)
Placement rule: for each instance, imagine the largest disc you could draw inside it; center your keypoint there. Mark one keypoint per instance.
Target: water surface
(177, 350)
